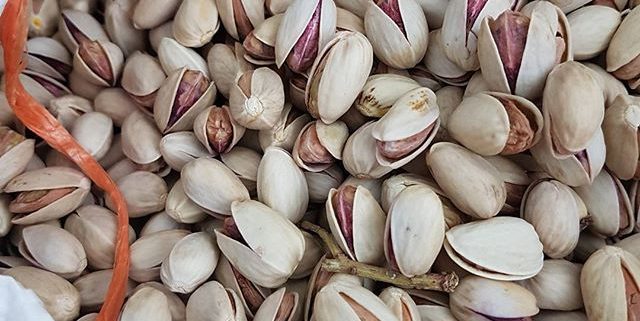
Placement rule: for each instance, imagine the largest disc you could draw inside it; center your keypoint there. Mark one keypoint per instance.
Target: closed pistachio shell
(94, 132)
(439, 65)
(401, 304)
(212, 185)
(398, 31)
(588, 41)
(148, 252)
(144, 192)
(48, 56)
(93, 288)
(196, 22)
(624, 49)
(17, 152)
(226, 304)
(346, 301)
(69, 259)
(181, 208)
(176, 306)
(160, 222)
(146, 302)
(142, 76)
(160, 32)
(140, 139)
(266, 259)
(240, 17)
(620, 127)
(190, 263)
(499, 248)
(179, 148)
(173, 55)
(76, 26)
(119, 26)
(286, 129)
(115, 103)
(244, 162)
(225, 62)
(557, 286)
(149, 14)
(478, 299)
(359, 154)
(59, 297)
(381, 91)
(257, 98)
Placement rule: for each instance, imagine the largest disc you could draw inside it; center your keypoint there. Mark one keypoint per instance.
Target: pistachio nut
(142, 77)
(49, 57)
(611, 85)
(281, 184)
(69, 258)
(306, 28)
(161, 222)
(148, 252)
(499, 248)
(260, 43)
(240, 17)
(477, 83)
(143, 201)
(557, 286)
(217, 130)
(196, 22)
(146, 302)
(609, 282)
(373, 185)
(478, 299)
(359, 154)
(272, 256)
(588, 41)
(119, 26)
(78, 85)
(15, 153)
(348, 21)
(226, 304)
(608, 205)
(461, 27)
(280, 305)
(46, 194)
(401, 304)
(59, 297)
(93, 288)
(250, 295)
(160, 32)
(179, 148)
(439, 65)
(516, 180)
(630, 244)
(244, 162)
(183, 95)
(398, 31)
(190, 263)
(149, 14)
(623, 50)
(94, 132)
(43, 19)
(225, 62)
(115, 103)
(42, 87)
(347, 301)
(338, 75)
(319, 145)
(98, 62)
(77, 26)
(180, 208)
(381, 91)
(256, 98)
(95, 227)
(320, 183)
(68, 108)
(573, 108)
(176, 306)
(471, 182)
(313, 253)
(357, 223)
(620, 127)
(285, 131)
(297, 91)
(173, 56)
(140, 139)
(212, 185)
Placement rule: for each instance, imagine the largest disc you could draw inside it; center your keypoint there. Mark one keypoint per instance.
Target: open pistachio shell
(250, 295)
(179, 148)
(18, 151)
(319, 145)
(280, 305)
(401, 304)
(225, 62)
(359, 154)
(499, 248)
(173, 55)
(216, 130)
(76, 26)
(260, 43)
(142, 76)
(286, 129)
(196, 22)
(381, 91)
(99, 62)
(245, 163)
(148, 252)
(226, 304)
(439, 65)
(190, 263)
(240, 17)
(257, 98)
(557, 286)
(49, 57)
(349, 302)
(68, 108)
(42, 87)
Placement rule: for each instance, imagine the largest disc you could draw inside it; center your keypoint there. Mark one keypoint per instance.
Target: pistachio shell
(226, 304)
(257, 98)
(180, 208)
(68, 108)
(15, 160)
(225, 62)
(176, 306)
(160, 32)
(620, 127)
(438, 64)
(149, 14)
(244, 162)
(286, 129)
(44, 17)
(94, 132)
(180, 148)
(274, 306)
(348, 21)
(140, 139)
(250, 295)
(110, 55)
(119, 26)
(557, 286)
(173, 55)
(588, 41)
(148, 252)
(313, 252)
(213, 117)
(115, 103)
(53, 249)
(147, 302)
(93, 288)
(190, 263)
(161, 222)
(401, 304)
(74, 22)
(358, 155)
(624, 45)
(319, 184)
(196, 22)
(346, 301)
(49, 57)
(144, 192)
(330, 138)
(381, 91)
(142, 75)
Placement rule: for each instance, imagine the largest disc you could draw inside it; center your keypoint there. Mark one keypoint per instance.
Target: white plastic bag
(18, 303)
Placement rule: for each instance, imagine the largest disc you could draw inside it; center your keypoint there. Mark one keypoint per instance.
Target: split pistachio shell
(359, 154)
(146, 302)
(624, 48)
(281, 184)
(630, 244)
(357, 223)
(67, 260)
(609, 281)
(99, 62)
(401, 304)
(190, 263)
(493, 123)
(95, 227)
(320, 183)
(68, 108)
(93, 288)
(285, 131)
(180, 148)
(268, 259)
(588, 41)
(17, 152)
(461, 25)
(173, 55)
(381, 91)
(49, 57)
(398, 32)
(250, 294)
(115, 103)
(471, 182)
(180, 208)
(349, 302)
(148, 252)
(240, 17)
(620, 127)
(608, 204)
(76, 26)
(244, 162)
(149, 14)
(557, 286)
(225, 62)
(260, 42)
(557, 22)
(338, 75)
(226, 304)
(499, 248)
(306, 28)
(94, 132)
(257, 98)
(573, 108)
(42, 87)
(415, 220)
(212, 185)
(59, 297)
(439, 65)
(217, 130)
(161, 222)
(119, 26)
(556, 214)
(280, 305)
(196, 22)
(144, 192)
(142, 76)
(89, 317)
(68, 185)
(478, 299)
(140, 139)
(319, 145)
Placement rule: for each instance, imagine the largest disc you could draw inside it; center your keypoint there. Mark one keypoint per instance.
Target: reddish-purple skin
(190, 89)
(59, 66)
(51, 87)
(473, 11)
(391, 255)
(397, 149)
(583, 158)
(509, 32)
(306, 49)
(230, 229)
(342, 203)
(77, 35)
(392, 9)
(97, 60)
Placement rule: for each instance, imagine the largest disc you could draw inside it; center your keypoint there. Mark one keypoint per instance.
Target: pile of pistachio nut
(332, 160)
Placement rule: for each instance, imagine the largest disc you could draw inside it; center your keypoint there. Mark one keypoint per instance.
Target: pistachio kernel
(219, 130)
(190, 88)
(342, 202)
(311, 149)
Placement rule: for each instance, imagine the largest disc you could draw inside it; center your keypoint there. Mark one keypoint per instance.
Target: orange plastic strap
(13, 36)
